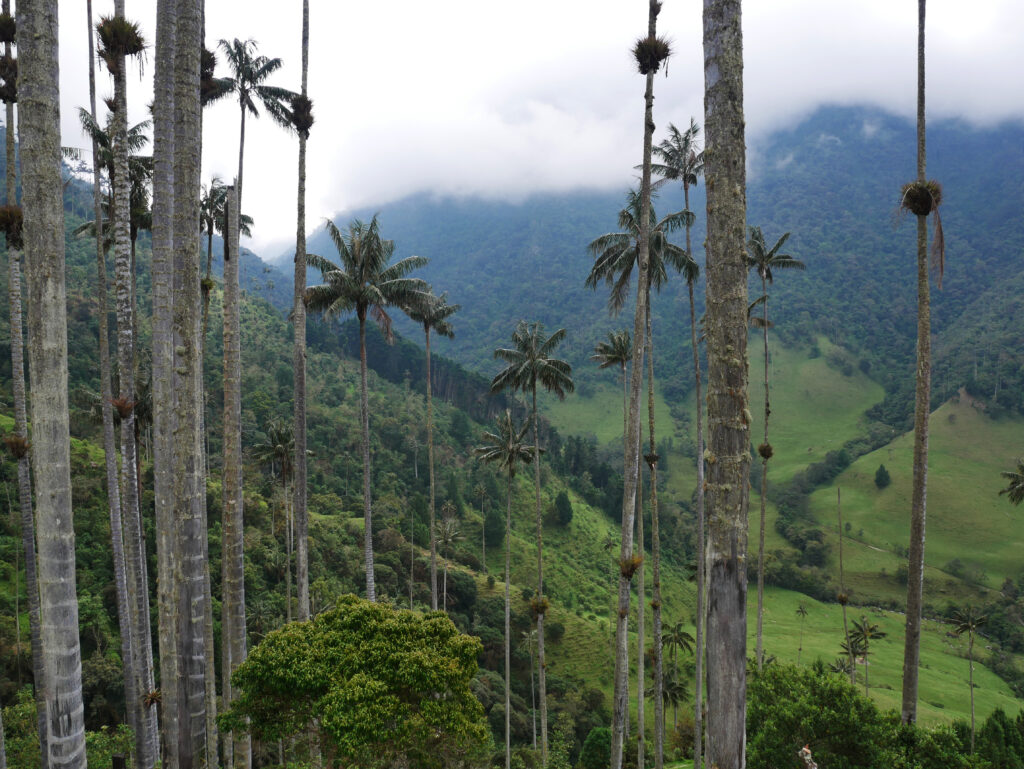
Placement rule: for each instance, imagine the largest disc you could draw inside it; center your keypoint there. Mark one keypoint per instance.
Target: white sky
(504, 99)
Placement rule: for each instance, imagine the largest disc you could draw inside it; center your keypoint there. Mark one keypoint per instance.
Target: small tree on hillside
(563, 509)
(882, 478)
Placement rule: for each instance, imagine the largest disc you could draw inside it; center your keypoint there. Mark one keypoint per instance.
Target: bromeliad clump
(921, 199)
(118, 38)
(650, 52)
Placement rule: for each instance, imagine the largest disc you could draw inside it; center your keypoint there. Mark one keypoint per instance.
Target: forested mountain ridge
(833, 180)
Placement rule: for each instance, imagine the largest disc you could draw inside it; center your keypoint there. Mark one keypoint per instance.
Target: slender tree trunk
(970, 679)
(700, 614)
(766, 449)
(430, 462)
(371, 590)
(632, 439)
(162, 389)
(843, 597)
(133, 697)
(652, 462)
(412, 552)
(28, 538)
(234, 526)
(3, 746)
(641, 599)
(135, 555)
(289, 545)
(483, 536)
(533, 700)
(508, 627)
(39, 129)
(299, 356)
(922, 406)
(189, 494)
(728, 452)
(541, 601)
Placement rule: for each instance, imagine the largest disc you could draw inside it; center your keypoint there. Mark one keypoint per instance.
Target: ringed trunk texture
(162, 388)
(39, 129)
(641, 598)
(430, 463)
(28, 537)
(759, 652)
(922, 401)
(728, 451)
(541, 665)
(652, 462)
(364, 407)
(698, 715)
(508, 627)
(189, 493)
(234, 562)
(132, 695)
(299, 357)
(620, 714)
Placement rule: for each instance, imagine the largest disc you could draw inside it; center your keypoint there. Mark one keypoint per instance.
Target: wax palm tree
(433, 313)
(677, 639)
(683, 161)
(480, 492)
(39, 133)
(507, 448)
(277, 452)
(1014, 490)
(801, 612)
(927, 196)
(249, 73)
(447, 534)
(969, 620)
(528, 643)
(765, 261)
(863, 633)
(616, 351)
(366, 284)
(529, 364)
(212, 218)
(301, 115)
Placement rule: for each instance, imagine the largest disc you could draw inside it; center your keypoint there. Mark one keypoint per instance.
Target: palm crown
(433, 312)
(250, 71)
(364, 282)
(615, 253)
(212, 208)
(1015, 488)
(530, 362)
(506, 447)
(765, 260)
(682, 159)
(616, 351)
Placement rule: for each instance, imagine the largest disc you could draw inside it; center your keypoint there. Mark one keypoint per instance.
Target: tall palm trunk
(922, 400)
(765, 451)
(843, 598)
(162, 389)
(234, 563)
(652, 462)
(533, 701)
(28, 538)
(541, 601)
(430, 463)
(508, 627)
(299, 356)
(39, 129)
(364, 416)
(632, 439)
(641, 598)
(728, 452)
(970, 680)
(698, 699)
(133, 700)
(189, 496)
(135, 556)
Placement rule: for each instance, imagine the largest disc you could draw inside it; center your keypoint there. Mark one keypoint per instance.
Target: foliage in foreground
(386, 685)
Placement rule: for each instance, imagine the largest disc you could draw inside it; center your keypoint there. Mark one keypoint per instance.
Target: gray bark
(843, 598)
(541, 664)
(759, 648)
(430, 463)
(133, 701)
(508, 627)
(728, 451)
(371, 591)
(233, 618)
(39, 129)
(970, 682)
(652, 461)
(134, 553)
(620, 715)
(188, 486)
(162, 388)
(919, 491)
(698, 700)
(299, 356)
(21, 431)
(641, 599)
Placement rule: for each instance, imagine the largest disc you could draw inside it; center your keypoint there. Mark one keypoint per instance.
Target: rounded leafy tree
(387, 687)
